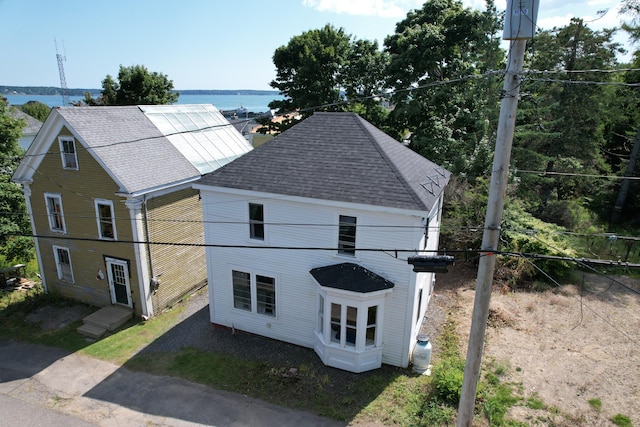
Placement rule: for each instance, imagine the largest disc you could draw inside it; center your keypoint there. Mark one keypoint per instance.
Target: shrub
(524, 234)
(447, 379)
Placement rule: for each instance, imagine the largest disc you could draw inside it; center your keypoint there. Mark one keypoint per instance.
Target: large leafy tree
(135, 85)
(14, 221)
(437, 53)
(321, 69)
(562, 119)
(36, 109)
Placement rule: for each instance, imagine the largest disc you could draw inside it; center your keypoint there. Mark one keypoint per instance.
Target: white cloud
(381, 8)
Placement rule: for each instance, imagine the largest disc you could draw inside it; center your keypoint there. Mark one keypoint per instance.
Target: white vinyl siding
(294, 223)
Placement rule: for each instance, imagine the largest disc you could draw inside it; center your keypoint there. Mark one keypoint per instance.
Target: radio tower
(63, 80)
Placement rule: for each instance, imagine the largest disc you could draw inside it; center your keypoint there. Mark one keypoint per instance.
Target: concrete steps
(108, 318)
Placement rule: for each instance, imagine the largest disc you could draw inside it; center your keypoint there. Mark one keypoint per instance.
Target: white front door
(118, 272)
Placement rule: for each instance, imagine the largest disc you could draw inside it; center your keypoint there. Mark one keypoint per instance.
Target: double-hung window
(241, 290)
(68, 152)
(254, 293)
(106, 219)
(347, 235)
(266, 295)
(63, 263)
(54, 212)
(256, 221)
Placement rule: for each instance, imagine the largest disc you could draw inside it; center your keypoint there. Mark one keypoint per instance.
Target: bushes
(447, 379)
(524, 234)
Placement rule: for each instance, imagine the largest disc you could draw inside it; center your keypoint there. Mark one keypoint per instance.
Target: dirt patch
(566, 346)
(55, 316)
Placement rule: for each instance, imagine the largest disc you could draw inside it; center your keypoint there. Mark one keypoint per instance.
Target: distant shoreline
(52, 90)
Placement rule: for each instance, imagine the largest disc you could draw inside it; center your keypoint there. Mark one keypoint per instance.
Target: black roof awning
(350, 277)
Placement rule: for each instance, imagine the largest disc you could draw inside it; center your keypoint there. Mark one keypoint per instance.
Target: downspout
(148, 239)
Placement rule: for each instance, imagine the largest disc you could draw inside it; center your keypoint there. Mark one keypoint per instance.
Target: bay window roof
(350, 277)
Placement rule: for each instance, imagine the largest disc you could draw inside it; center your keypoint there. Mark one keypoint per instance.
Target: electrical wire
(557, 284)
(582, 175)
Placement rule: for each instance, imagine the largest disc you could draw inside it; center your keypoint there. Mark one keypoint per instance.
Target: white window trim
(254, 292)
(58, 198)
(57, 259)
(97, 203)
(61, 140)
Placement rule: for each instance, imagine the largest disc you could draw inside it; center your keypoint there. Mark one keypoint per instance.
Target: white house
(308, 238)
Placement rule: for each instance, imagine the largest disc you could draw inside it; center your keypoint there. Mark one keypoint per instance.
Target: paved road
(17, 412)
(61, 389)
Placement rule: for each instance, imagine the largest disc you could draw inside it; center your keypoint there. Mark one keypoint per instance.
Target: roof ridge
(392, 165)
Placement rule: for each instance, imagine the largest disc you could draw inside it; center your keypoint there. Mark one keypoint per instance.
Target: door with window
(118, 275)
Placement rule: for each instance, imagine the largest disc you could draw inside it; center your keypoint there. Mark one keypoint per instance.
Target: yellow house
(109, 191)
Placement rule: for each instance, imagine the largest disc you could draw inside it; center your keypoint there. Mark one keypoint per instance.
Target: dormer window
(68, 152)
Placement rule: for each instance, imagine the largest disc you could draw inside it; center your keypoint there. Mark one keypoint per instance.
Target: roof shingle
(338, 157)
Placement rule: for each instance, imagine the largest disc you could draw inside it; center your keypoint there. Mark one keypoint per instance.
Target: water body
(252, 103)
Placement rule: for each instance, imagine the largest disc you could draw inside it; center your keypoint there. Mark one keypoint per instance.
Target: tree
(13, 211)
(561, 122)
(322, 70)
(631, 8)
(36, 109)
(309, 72)
(437, 54)
(135, 85)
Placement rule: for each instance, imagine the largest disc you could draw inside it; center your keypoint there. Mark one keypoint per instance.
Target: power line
(555, 282)
(583, 263)
(585, 82)
(583, 175)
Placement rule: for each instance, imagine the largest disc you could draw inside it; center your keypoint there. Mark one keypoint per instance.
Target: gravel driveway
(195, 330)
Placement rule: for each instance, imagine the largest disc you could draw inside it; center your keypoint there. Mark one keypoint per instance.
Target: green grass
(595, 403)
(621, 420)
(534, 402)
(388, 396)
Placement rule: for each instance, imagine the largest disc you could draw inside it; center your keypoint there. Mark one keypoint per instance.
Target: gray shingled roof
(139, 156)
(33, 124)
(129, 145)
(338, 157)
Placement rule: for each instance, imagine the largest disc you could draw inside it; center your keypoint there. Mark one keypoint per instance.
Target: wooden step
(110, 317)
(91, 331)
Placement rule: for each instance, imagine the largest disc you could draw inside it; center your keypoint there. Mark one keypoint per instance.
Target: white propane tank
(422, 355)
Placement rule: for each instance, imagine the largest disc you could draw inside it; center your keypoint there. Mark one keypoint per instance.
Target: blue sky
(201, 44)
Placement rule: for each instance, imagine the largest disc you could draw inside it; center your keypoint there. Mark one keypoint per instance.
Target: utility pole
(520, 21)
